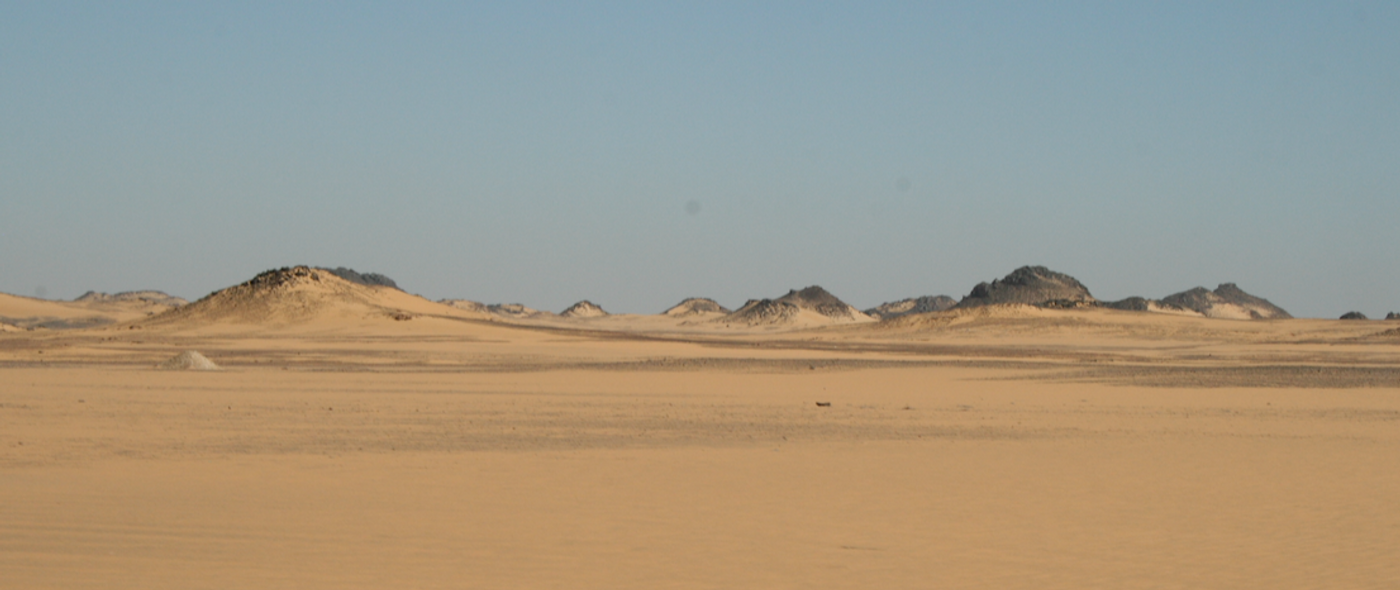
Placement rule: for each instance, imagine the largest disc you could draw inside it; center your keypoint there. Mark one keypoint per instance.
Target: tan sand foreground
(1004, 447)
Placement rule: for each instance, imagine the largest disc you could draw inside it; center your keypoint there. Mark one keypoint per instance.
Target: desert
(316, 429)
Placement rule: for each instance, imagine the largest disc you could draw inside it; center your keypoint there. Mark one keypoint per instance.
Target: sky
(635, 154)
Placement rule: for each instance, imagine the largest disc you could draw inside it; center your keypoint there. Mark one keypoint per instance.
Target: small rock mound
(1354, 315)
(190, 361)
(925, 304)
(696, 306)
(584, 309)
(1392, 316)
(1031, 285)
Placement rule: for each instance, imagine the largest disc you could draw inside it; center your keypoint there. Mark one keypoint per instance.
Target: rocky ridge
(913, 305)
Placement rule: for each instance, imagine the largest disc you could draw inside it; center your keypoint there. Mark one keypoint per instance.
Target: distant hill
(925, 304)
(509, 310)
(696, 306)
(812, 305)
(153, 298)
(1030, 285)
(92, 309)
(584, 309)
(1226, 301)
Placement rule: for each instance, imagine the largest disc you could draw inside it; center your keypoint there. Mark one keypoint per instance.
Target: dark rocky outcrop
(373, 279)
(925, 304)
(1030, 285)
(1392, 316)
(1354, 315)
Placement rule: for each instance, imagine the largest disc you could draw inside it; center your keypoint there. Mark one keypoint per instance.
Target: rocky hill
(298, 294)
(810, 305)
(925, 304)
(1226, 301)
(1030, 285)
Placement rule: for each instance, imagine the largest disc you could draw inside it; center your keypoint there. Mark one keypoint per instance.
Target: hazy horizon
(635, 155)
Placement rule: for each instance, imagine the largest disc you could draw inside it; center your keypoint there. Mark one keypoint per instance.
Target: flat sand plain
(1012, 448)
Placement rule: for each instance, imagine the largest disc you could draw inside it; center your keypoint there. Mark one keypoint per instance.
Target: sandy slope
(25, 312)
(991, 448)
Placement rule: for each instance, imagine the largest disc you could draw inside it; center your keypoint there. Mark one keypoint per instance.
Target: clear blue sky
(638, 153)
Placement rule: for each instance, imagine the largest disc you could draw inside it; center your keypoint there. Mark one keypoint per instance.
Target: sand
(993, 448)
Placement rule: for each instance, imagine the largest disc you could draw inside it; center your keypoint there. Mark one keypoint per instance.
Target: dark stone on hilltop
(1392, 316)
(903, 307)
(1030, 285)
(1354, 315)
(372, 279)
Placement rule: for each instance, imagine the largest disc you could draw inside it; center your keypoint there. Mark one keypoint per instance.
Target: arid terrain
(356, 436)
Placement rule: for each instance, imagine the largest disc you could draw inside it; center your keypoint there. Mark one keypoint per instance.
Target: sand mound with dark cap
(584, 309)
(1354, 315)
(1030, 285)
(299, 294)
(189, 360)
(903, 307)
(1226, 301)
(696, 306)
(812, 305)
